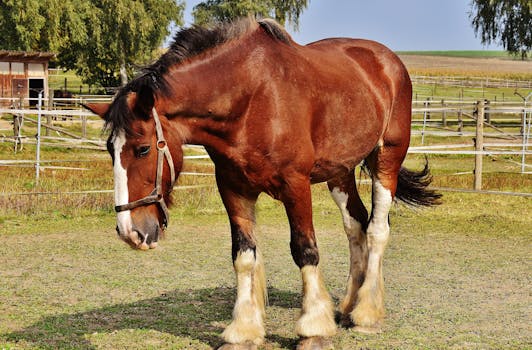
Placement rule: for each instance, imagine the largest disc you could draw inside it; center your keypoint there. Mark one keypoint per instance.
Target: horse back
(355, 89)
(364, 64)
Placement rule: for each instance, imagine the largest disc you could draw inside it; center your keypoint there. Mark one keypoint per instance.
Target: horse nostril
(156, 235)
(117, 230)
(153, 242)
(143, 240)
(142, 236)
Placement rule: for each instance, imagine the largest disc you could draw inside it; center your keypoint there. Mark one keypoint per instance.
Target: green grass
(59, 80)
(456, 277)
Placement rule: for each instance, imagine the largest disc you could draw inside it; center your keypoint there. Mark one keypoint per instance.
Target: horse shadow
(196, 314)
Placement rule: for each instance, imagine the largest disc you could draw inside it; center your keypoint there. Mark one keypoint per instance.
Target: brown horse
(275, 117)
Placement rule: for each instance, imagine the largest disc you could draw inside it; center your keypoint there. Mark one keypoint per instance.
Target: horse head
(145, 165)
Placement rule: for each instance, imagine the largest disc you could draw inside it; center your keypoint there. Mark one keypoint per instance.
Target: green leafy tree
(225, 10)
(121, 35)
(103, 40)
(508, 22)
(23, 25)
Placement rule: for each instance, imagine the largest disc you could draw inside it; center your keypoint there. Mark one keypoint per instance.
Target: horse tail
(413, 188)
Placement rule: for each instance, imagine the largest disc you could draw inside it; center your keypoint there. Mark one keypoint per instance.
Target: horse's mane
(187, 43)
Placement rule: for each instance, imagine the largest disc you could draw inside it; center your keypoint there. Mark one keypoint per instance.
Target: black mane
(187, 43)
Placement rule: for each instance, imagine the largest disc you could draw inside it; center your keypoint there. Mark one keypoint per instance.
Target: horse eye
(142, 151)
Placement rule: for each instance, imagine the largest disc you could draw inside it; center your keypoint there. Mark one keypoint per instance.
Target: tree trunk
(123, 73)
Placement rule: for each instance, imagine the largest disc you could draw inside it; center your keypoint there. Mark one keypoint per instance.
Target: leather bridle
(156, 196)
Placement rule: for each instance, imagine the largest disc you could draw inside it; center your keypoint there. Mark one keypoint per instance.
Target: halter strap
(156, 196)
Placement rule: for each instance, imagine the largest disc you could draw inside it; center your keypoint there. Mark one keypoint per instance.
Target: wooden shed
(23, 75)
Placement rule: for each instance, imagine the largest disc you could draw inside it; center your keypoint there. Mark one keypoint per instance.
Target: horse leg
(316, 320)
(246, 330)
(355, 217)
(384, 164)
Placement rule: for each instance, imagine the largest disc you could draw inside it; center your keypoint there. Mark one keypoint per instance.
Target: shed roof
(24, 55)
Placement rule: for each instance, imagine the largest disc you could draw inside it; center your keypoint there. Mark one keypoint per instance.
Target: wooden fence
(510, 123)
(471, 82)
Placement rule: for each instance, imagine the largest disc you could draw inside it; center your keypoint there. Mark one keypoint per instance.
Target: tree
(225, 10)
(29, 25)
(121, 35)
(508, 22)
(103, 40)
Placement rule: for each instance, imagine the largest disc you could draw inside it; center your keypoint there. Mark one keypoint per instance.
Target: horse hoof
(315, 343)
(343, 320)
(246, 346)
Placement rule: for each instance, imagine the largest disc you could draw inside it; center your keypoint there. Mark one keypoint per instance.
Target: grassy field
(457, 277)
(70, 81)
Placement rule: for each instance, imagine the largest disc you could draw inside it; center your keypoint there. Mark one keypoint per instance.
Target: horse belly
(343, 144)
(344, 138)
(327, 169)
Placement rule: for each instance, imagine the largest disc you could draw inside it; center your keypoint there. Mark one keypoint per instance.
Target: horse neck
(210, 94)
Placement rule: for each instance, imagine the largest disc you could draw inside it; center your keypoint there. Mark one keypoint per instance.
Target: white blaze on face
(120, 181)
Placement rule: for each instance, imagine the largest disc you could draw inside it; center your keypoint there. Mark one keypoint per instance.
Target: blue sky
(401, 25)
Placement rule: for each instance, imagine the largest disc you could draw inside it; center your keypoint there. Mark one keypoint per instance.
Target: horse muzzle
(142, 239)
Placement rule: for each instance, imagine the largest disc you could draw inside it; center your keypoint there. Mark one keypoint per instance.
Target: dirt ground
(5, 125)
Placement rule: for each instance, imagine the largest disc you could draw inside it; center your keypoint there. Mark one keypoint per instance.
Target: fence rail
(502, 117)
(56, 113)
(54, 102)
(471, 82)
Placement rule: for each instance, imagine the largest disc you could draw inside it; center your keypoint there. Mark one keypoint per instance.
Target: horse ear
(100, 109)
(143, 101)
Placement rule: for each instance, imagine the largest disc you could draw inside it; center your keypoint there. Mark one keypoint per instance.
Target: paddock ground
(457, 277)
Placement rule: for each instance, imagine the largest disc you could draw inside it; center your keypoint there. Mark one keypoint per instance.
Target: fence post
(460, 121)
(444, 114)
(487, 113)
(523, 122)
(479, 145)
(83, 127)
(527, 123)
(426, 115)
(18, 120)
(49, 117)
(38, 136)
(17, 125)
